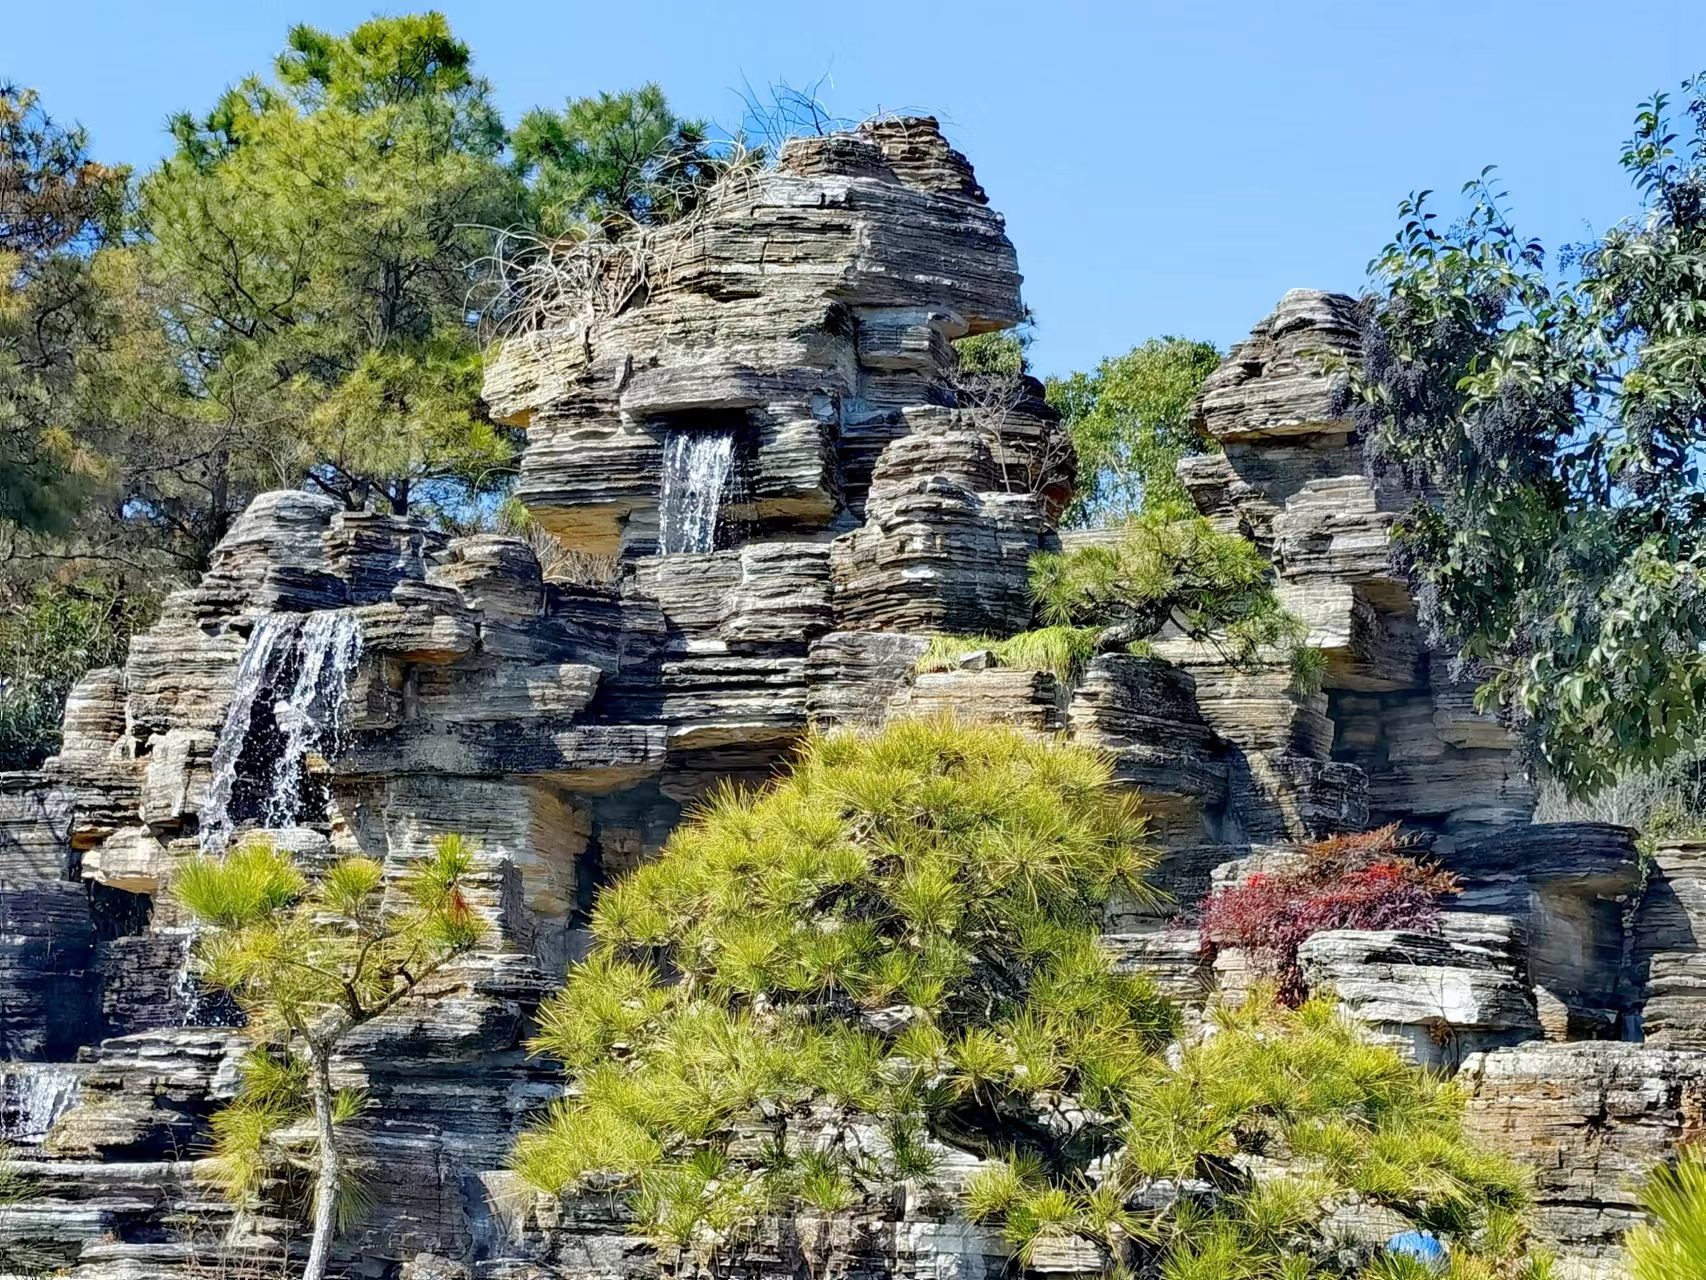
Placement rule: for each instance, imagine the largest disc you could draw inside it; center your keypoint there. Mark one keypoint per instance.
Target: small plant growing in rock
(1363, 881)
(1212, 586)
(308, 963)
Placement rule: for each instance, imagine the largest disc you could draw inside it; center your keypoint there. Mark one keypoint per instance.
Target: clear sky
(1164, 167)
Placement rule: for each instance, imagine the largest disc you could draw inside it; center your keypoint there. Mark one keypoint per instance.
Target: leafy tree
(902, 934)
(1130, 422)
(308, 965)
(48, 640)
(616, 159)
(56, 207)
(1555, 425)
(997, 354)
(300, 298)
(1673, 1241)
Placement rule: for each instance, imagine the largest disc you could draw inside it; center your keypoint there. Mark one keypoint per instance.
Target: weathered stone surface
(1593, 1120)
(1144, 713)
(852, 675)
(803, 308)
(1669, 933)
(1569, 884)
(1027, 699)
(35, 829)
(878, 494)
(941, 549)
(47, 939)
(1282, 379)
(1439, 997)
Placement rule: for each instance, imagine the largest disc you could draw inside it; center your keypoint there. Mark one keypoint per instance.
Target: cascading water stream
(696, 469)
(253, 669)
(322, 650)
(328, 648)
(32, 1097)
(317, 653)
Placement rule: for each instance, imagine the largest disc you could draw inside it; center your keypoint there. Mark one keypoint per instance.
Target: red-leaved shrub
(1360, 881)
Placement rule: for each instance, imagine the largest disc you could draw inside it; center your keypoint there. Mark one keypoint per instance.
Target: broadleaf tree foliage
(1130, 422)
(1556, 423)
(309, 963)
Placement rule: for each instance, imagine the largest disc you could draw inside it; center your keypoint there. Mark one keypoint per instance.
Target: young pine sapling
(308, 963)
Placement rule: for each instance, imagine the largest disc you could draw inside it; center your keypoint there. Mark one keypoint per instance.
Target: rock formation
(773, 386)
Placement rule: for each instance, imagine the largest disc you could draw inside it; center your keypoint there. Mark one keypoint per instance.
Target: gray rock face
(1669, 961)
(1438, 997)
(803, 310)
(1291, 478)
(874, 497)
(1593, 1120)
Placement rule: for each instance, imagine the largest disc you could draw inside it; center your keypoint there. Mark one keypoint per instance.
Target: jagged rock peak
(1289, 376)
(803, 309)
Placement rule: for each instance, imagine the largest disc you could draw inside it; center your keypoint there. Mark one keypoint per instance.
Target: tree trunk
(331, 1170)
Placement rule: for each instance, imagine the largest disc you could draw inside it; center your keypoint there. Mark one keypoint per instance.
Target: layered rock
(1290, 476)
(356, 682)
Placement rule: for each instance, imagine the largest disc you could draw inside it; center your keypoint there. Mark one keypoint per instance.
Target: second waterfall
(304, 664)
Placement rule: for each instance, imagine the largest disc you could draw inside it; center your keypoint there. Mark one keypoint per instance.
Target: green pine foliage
(902, 935)
(308, 962)
(1673, 1242)
(950, 876)
(616, 159)
(1212, 586)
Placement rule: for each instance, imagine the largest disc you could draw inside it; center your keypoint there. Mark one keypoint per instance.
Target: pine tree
(308, 963)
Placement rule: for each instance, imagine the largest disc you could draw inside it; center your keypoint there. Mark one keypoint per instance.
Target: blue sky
(1164, 168)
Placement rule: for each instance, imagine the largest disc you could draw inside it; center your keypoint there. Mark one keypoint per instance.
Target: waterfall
(32, 1098)
(328, 648)
(253, 668)
(322, 651)
(696, 467)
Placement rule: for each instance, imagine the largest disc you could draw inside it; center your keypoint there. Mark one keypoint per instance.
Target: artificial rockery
(752, 418)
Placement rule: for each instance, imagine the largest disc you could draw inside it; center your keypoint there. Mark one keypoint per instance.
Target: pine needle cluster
(894, 949)
(903, 930)
(308, 962)
(1211, 586)
(1673, 1243)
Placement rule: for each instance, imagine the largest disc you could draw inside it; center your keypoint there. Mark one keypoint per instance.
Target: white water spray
(696, 468)
(324, 649)
(318, 653)
(32, 1097)
(314, 713)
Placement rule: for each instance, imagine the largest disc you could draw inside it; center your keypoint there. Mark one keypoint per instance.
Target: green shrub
(1062, 650)
(1673, 1243)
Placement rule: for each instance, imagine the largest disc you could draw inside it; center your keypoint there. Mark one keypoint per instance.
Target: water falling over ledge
(305, 662)
(697, 464)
